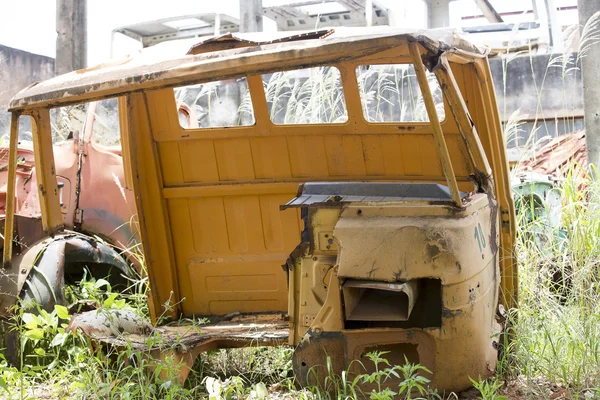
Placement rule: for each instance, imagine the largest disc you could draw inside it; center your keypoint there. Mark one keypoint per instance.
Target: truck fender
(61, 259)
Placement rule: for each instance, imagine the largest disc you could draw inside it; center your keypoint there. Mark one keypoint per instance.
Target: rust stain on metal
(118, 328)
(389, 257)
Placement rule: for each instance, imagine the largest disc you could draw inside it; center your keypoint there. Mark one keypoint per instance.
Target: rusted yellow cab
(371, 166)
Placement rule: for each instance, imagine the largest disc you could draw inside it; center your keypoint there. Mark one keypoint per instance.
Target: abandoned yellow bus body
(209, 194)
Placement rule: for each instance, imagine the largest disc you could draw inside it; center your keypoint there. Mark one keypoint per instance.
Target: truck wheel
(61, 263)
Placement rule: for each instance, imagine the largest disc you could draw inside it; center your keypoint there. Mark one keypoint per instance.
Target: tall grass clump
(557, 330)
(309, 96)
(391, 93)
(217, 104)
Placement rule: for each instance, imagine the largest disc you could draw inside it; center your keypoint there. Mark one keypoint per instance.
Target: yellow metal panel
(234, 159)
(45, 171)
(307, 156)
(224, 254)
(233, 248)
(435, 124)
(344, 156)
(429, 157)
(231, 189)
(411, 155)
(276, 232)
(10, 189)
(179, 218)
(334, 150)
(244, 227)
(508, 260)
(154, 222)
(392, 155)
(166, 123)
(125, 147)
(373, 155)
(458, 155)
(353, 156)
(472, 79)
(458, 107)
(223, 188)
(259, 104)
(266, 166)
(211, 235)
(198, 161)
(172, 170)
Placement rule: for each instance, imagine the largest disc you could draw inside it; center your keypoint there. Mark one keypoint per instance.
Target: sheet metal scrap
(558, 155)
(119, 328)
(230, 41)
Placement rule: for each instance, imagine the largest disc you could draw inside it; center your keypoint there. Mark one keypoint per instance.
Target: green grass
(555, 336)
(556, 330)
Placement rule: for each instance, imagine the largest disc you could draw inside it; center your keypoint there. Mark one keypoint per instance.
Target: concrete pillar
(488, 11)
(540, 13)
(590, 70)
(251, 16)
(71, 38)
(555, 27)
(217, 24)
(369, 12)
(438, 13)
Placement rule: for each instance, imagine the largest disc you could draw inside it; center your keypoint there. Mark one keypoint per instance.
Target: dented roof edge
(148, 73)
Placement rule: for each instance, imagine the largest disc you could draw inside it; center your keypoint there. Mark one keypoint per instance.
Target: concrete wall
(19, 69)
(71, 35)
(544, 90)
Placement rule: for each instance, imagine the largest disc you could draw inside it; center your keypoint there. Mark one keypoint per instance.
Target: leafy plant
(488, 389)
(350, 385)
(412, 380)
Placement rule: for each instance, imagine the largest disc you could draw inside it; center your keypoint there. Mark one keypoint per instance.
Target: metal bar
(217, 24)
(258, 98)
(45, 172)
(555, 27)
(125, 146)
(457, 104)
(10, 190)
(369, 12)
(155, 228)
(489, 11)
(509, 282)
(435, 124)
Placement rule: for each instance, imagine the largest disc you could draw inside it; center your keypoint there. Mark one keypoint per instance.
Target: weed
(386, 382)
(488, 389)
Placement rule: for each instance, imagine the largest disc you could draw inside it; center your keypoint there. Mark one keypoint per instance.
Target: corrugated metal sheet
(559, 155)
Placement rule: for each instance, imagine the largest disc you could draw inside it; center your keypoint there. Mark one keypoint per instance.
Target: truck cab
(369, 164)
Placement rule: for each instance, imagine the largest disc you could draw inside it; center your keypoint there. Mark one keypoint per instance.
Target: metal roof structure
(182, 27)
(153, 71)
(316, 14)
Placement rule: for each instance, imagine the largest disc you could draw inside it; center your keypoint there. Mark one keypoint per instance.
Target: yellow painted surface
(208, 199)
(392, 242)
(10, 188)
(52, 219)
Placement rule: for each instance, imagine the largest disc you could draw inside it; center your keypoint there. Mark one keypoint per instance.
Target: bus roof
(152, 70)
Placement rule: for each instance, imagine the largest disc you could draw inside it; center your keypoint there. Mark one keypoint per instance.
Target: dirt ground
(513, 390)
